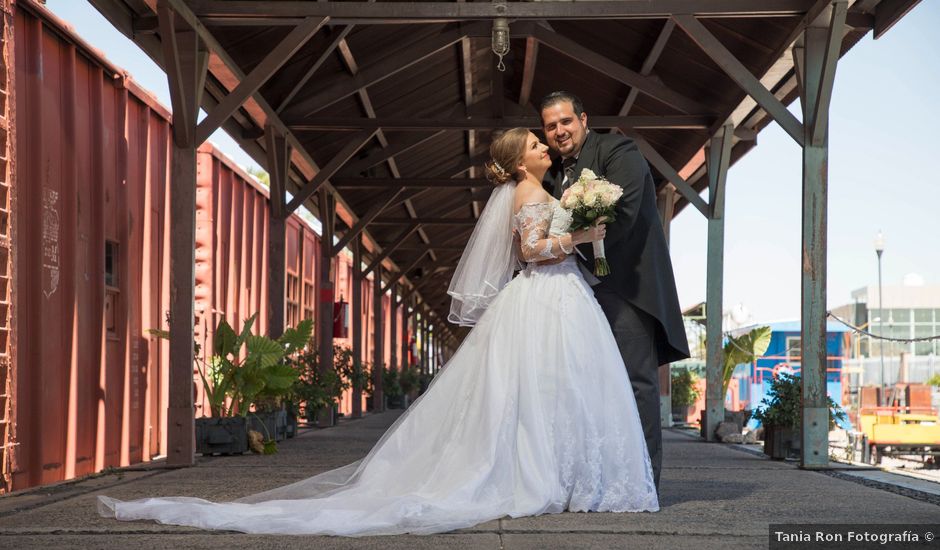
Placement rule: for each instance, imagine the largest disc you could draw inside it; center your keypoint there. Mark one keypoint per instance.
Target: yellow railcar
(893, 433)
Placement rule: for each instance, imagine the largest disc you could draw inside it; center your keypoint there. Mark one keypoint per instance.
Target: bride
(533, 414)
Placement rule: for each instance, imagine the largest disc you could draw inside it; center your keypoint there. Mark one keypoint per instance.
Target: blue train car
(784, 354)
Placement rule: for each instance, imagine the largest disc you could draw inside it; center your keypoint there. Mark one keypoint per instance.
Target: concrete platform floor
(713, 496)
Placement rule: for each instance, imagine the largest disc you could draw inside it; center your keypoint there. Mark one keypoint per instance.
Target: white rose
(590, 197)
(588, 175)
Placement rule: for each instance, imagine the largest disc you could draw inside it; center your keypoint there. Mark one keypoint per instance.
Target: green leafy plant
(782, 408)
(355, 371)
(390, 384)
(215, 381)
(743, 349)
(316, 388)
(253, 365)
(684, 393)
(934, 381)
(279, 379)
(408, 380)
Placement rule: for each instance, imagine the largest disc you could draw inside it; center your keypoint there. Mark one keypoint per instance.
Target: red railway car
(90, 260)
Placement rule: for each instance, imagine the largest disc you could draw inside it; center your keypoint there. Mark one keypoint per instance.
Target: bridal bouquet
(589, 199)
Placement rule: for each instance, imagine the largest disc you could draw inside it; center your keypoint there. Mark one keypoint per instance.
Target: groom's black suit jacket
(635, 245)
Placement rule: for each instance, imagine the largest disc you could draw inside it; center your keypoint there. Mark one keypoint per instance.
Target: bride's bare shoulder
(529, 193)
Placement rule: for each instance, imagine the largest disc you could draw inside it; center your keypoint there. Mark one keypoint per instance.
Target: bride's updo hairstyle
(506, 151)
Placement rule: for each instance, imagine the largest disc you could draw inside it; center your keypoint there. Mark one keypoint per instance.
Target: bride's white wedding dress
(533, 414)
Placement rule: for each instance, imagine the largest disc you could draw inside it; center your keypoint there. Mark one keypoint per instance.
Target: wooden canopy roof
(392, 105)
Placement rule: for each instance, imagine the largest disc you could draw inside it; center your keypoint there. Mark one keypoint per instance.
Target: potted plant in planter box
(684, 394)
(392, 389)
(408, 381)
(781, 417)
(319, 391)
(272, 384)
(223, 432)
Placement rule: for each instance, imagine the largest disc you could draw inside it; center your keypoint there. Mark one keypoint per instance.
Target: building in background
(910, 311)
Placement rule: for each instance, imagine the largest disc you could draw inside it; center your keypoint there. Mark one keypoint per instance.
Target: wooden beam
(272, 62)
(357, 312)
(717, 159)
(415, 263)
(438, 12)
(424, 221)
(342, 157)
(670, 173)
(308, 74)
(820, 118)
(378, 343)
(326, 296)
(528, 69)
(186, 59)
(409, 183)
(186, 73)
(387, 250)
(651, 58)
(278, 152)
(741, 75)
(674, 122)
(392, 64)
(379, 205)
(383, 155)
(889, 12)
(616, 71)
(438, 248)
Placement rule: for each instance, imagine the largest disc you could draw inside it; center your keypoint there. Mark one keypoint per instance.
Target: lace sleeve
(532, 222)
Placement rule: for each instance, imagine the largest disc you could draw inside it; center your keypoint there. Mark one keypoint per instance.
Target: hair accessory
(499, 169)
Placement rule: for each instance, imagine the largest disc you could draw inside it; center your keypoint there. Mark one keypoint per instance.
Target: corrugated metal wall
(91, 260)
(90, 234)
(7, 198)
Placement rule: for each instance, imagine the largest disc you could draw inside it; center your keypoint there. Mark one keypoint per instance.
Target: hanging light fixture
(500, 34)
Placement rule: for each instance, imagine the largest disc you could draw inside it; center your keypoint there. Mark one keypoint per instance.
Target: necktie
(568, 166)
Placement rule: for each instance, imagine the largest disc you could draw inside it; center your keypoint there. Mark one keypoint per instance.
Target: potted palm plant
(269, 386)
(738, 350)
(781, 416)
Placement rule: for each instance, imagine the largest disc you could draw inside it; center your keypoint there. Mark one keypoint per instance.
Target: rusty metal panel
(89, 259)
(7, 191)
(92, 259)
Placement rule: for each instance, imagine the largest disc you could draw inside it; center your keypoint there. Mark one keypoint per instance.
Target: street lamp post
(879, 248)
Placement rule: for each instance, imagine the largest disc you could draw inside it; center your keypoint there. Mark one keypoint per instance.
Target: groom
(639, 296)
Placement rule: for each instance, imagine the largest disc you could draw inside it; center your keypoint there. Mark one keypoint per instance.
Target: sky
(883, 139)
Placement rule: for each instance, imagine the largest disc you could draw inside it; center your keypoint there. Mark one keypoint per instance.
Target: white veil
(488, 260)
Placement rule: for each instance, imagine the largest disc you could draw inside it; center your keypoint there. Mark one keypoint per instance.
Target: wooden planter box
(291, 425)
(269, 424)
(782, 443)
(225, 436)
(326, 417)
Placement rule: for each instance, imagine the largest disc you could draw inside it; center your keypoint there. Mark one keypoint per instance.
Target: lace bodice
(543, 230)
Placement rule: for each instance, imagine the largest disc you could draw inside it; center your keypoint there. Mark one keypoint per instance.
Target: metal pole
(883, 388)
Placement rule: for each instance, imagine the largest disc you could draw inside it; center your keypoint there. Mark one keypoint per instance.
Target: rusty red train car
(90, 260)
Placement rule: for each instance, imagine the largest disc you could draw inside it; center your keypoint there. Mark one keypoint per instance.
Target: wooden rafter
(272, 62)
(674, 122)
(436, 12)
(352, 146)
(741, 75)
(394, 63)
(612, 69)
